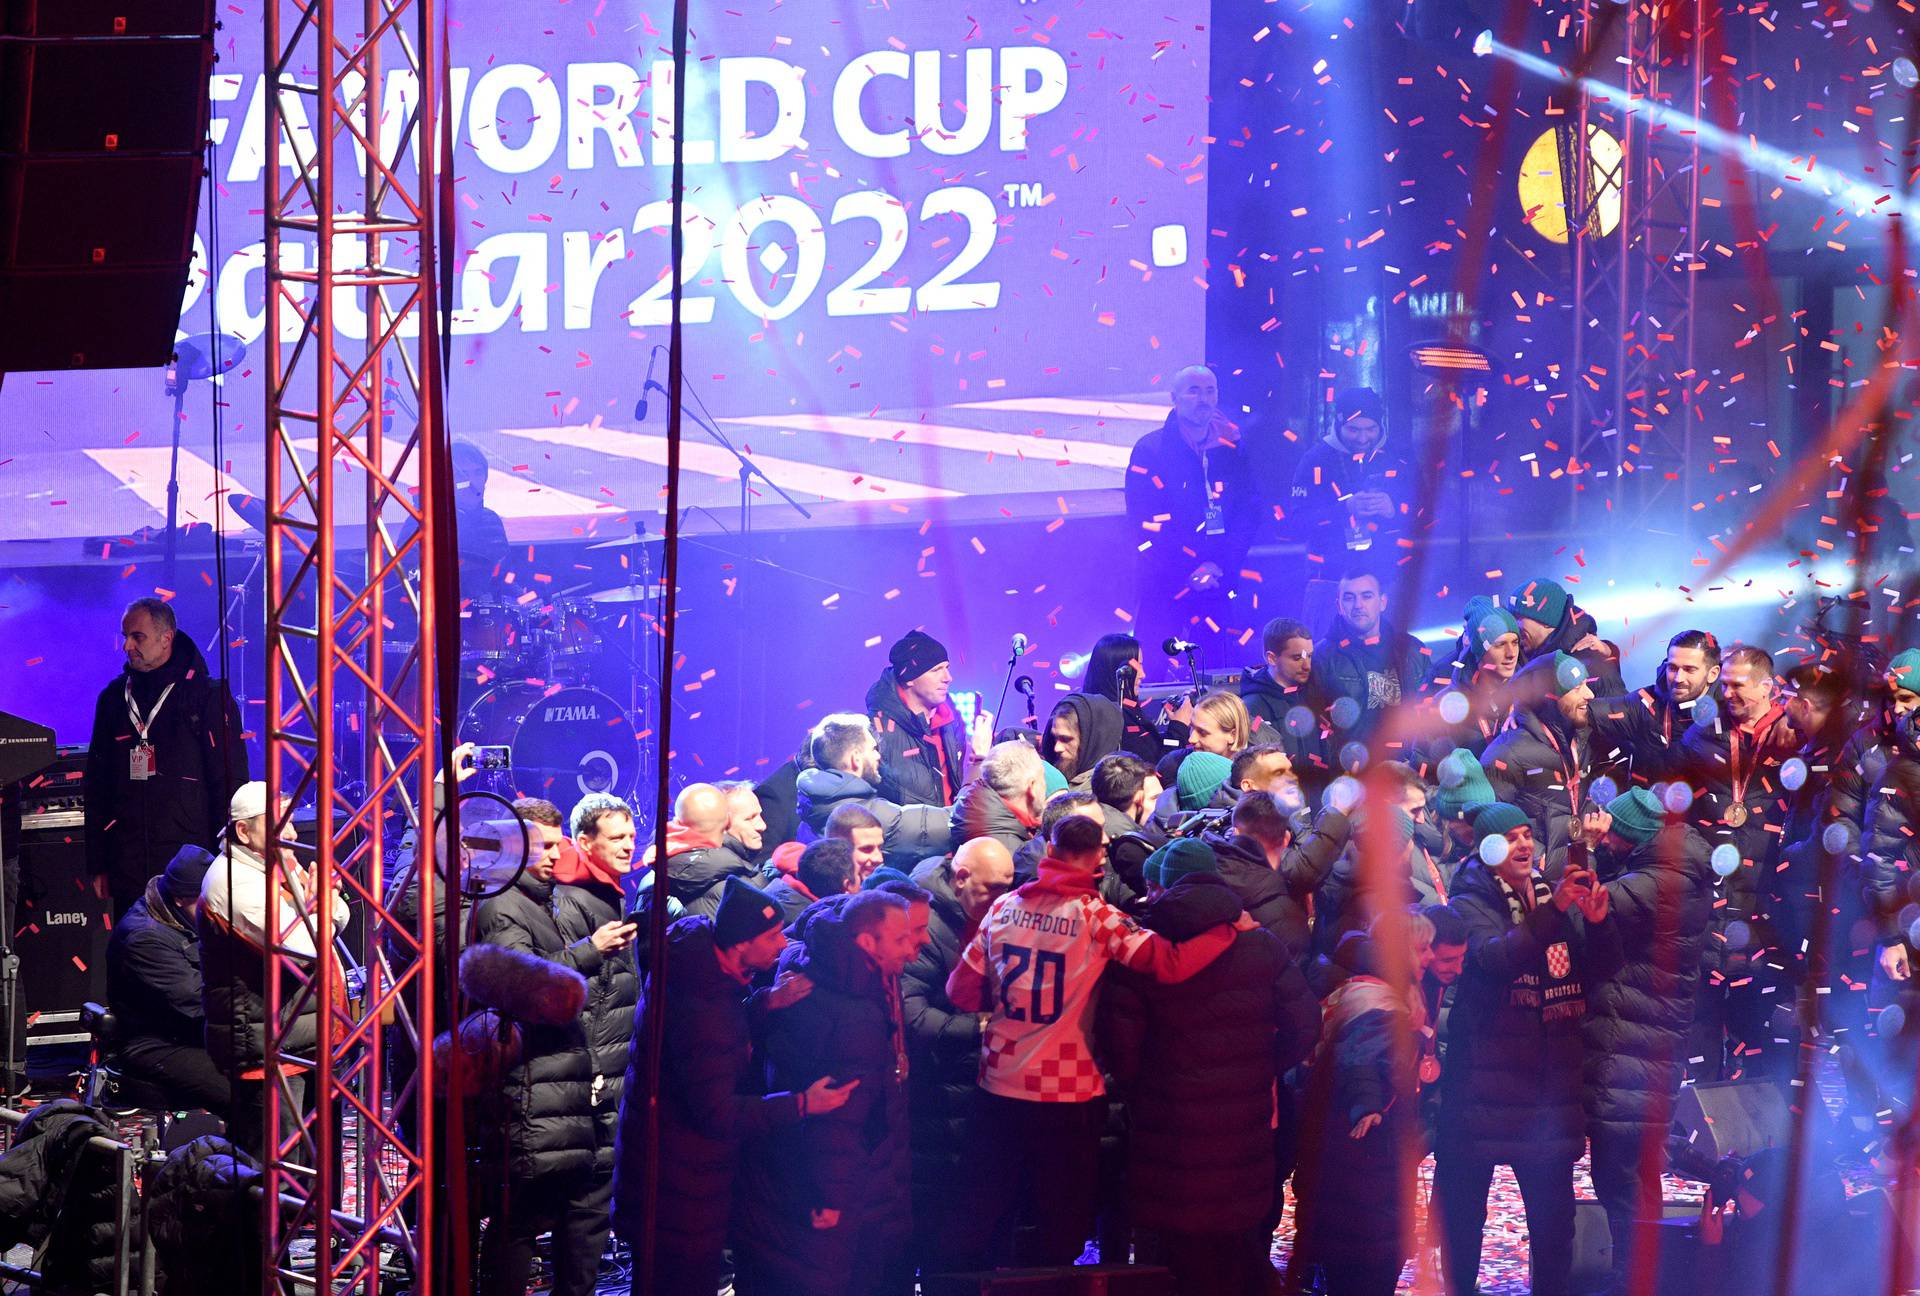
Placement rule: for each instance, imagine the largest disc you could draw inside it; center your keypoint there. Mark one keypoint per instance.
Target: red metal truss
(351, 737)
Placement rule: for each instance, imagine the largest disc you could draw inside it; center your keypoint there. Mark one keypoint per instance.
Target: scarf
(1552, 989)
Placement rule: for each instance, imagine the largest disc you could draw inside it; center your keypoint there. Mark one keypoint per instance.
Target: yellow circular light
(1542, 198)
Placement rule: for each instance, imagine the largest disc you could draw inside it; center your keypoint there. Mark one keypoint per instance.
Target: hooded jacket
(613, 989)
(1278, 897)
(1638, 1018)
(922, 758)
(1102, 727)
(854, 1160)
(1329, 472)
(134, 826)
(913, 832)
(697, 871)
(979, 811)
(1197, 1063)
(1269, 703)
(709, 1100)
(1167, 488)
(1540, 765)
(1512, 1087)
(549, 1124)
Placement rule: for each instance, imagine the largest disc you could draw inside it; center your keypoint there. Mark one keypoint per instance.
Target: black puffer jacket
(979, 811)
(708, 1103)
(914, 768)
(56, 1189)
(697, 879)
(1278, 898)
(1341, 666)
(1661, 898)
(1637, 738)
(1576, 625)
(153, 978)
(1537, 765)
(943, 1043)
(205, 1191)
(549, 1123)
(1196, 1064)
(1750, 894)
(579, 910)
(134, 826)
(1123, 883)
(1512, 1085)
(1893, 833)
(911, 832)
(1269, 703)
(855, 1160)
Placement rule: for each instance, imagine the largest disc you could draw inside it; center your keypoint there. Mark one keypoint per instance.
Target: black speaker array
(103, 118)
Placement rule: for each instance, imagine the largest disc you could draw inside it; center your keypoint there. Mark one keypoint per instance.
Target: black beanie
(185, 872)
(1358, 402)
(917, 653)
(745, 912)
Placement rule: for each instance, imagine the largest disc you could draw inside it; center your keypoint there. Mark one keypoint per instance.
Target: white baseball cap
(249, 802)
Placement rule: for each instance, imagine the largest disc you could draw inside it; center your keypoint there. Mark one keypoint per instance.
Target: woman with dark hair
(1113, 672)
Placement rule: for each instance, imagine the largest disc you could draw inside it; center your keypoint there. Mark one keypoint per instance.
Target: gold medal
(1736, 815)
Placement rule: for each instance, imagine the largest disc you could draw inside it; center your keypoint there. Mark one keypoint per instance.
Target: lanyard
(141, 726)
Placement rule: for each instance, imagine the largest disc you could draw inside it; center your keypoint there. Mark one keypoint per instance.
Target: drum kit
(533, 676)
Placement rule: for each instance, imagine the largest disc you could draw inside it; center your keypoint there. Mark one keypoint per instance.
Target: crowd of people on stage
(942, 999)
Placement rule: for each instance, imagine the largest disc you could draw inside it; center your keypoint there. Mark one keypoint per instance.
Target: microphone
(1175, 646)
(1020, 645)
(640, 410)
(1024, 685)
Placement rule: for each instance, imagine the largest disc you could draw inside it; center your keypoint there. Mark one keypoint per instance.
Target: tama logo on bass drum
(561, 714)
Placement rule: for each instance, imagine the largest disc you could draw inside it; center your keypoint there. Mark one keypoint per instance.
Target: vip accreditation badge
(141, 763)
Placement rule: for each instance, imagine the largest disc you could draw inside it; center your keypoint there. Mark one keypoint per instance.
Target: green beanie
(1201, 775)
(1463, 783)
(1183, 857)
(1482, 623)
(1904, 670)
(1637, 815)
(1056, 781)
(1544, 601)
(1498, 819)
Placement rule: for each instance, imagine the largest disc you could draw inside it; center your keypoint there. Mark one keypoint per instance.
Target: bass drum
(566, 743)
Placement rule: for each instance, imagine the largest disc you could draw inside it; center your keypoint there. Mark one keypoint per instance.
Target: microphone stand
(176, 388)
(1013, 659)
(1193, 673)
(748, 471)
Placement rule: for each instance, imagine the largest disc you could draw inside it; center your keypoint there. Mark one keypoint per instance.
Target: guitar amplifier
(1064, 1280)
(60, 935)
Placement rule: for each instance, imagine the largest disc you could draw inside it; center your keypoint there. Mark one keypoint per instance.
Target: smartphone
(493, 758)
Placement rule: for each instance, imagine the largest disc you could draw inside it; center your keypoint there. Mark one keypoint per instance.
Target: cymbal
(626, 594)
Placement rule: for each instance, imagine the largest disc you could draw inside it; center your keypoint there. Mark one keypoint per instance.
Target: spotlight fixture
(1483, 44)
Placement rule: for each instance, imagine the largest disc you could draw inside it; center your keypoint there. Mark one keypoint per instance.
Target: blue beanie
(1499, 819)
(885, 873)
(1179, 858)
(1637, 815)
(1544, 601)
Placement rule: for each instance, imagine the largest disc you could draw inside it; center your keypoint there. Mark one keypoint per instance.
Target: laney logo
(586, 711)
(68, 919)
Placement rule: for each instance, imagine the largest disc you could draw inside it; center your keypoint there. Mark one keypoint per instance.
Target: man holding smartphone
(1511, 1092)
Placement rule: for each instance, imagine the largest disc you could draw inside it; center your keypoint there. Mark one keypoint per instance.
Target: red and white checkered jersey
(1042, 954)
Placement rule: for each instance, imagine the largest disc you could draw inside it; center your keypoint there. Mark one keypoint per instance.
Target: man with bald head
(700, 858)
(943, 1045)
(1192, 506)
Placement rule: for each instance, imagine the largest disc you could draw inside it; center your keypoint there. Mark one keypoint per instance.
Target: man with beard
(1660, 892)
(1192, 507)
(1350, 493)
(923, 745)
(1638, 736)
(845, 770)
(1082, 728)
(1551, 623)
(165, 758)
(1733, 762)
(1482, 671)
(1542, 762)
(1366, 658)
(943, 1049)
(1126, 788)
(1511, 1088)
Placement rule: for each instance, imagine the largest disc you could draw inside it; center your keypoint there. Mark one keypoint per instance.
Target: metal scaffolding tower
(353, 397)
